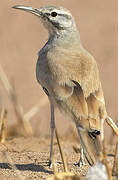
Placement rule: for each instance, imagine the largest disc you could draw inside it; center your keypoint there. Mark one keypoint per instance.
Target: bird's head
(54, 18)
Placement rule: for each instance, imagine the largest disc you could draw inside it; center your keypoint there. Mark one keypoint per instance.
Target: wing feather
(80, 67)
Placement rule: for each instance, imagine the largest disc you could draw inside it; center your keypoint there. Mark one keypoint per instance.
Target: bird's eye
(53, 14)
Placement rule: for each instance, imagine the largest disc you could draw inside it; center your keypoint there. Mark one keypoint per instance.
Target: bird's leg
(82, 132)
(81, 161)
(93, 133)
(83, 150)
(52, 127)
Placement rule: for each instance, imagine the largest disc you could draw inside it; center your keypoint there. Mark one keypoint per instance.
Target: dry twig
(17, 107)
(3, 124)
(115, 165)
(112, 125)
(61, 152)
(35, 109)
(105, 161)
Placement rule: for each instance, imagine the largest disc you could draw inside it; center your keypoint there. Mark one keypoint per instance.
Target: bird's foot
(49, 163)
(80, 163)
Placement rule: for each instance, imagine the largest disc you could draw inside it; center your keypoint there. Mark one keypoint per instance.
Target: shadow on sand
(27, 167)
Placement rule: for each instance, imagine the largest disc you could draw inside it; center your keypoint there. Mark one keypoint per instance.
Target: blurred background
(21, 37)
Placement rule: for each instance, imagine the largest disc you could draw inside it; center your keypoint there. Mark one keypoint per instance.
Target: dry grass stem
(115, 164)
(11, 164)
(105, 161)
(34, 110)
(55, 169)
(20, 114)
(5, 81)
(61, 152)
(3, 125)
(17, 107)
(112, 125)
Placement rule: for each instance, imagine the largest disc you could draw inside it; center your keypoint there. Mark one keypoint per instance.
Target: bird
(69, 76)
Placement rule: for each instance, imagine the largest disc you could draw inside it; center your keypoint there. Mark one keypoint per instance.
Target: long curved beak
(29, 9)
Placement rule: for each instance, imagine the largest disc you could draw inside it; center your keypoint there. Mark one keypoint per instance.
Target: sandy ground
(30, 156)
(21, 37)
